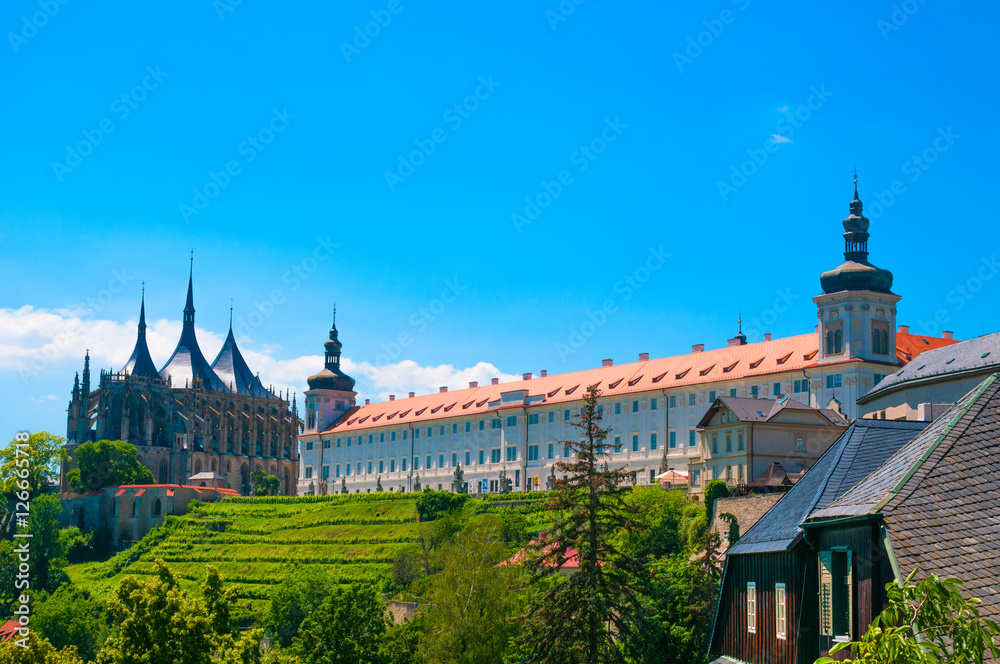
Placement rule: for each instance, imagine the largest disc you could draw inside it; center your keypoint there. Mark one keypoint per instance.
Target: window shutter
(849, 580)
(826, 593)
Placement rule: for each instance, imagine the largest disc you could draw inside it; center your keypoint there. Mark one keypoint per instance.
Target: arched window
(885, 342)
(829, 343)
(838, 342)
(135, 507)
(164, 472)
(114, 507)
(156, 507)
(876, 342)
(197, 467)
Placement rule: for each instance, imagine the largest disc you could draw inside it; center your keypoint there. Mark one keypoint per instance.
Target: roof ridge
(955, 421)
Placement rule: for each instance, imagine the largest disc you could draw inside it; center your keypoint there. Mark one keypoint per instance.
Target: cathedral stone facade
(190, 417)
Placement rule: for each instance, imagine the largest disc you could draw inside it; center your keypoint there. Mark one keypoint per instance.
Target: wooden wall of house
(871, 569)
(731, 636)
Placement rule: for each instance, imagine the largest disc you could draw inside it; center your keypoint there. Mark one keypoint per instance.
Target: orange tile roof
(908, 346)
(720, 364)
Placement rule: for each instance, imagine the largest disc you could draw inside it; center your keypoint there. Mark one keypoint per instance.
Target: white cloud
(47, 397)
(784, 109)
(36, 341)
(778, 138)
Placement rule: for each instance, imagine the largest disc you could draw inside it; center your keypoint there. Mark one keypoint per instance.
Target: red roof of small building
(9, 630)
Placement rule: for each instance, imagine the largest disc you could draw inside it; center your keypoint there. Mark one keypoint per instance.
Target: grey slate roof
(859, 450)
(234, 372)
(761, 410)
(962, 357)
(940, 497)
(140, 363)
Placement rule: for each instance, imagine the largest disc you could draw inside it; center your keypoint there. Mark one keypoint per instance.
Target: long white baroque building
(653, 406)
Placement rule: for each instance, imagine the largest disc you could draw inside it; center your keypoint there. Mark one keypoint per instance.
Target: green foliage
(577, 619)
(471, 600)
(661, 515)
(39, 651)
(401, 642)
(77, 545)
(733, 533)
(162, 622)
(433, 504)
(713, 490)
(926, 623)
(681, 607)
(70, 617)
(293, 599)
(47, 549)
(405, 570)
(694, 526)
(347, 628)
(263, 483)
(32, 468)
(106, 463)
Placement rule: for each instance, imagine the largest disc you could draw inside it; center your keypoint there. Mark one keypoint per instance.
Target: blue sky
(622, 122)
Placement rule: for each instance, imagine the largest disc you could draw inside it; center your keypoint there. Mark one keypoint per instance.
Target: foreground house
(887, 498)
(768, 605)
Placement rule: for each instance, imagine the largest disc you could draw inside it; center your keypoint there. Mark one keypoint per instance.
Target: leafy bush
(432, 504)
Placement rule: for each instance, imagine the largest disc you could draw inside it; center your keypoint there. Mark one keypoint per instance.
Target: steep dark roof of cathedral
(234, 372)
(141, 364)
(187, 361)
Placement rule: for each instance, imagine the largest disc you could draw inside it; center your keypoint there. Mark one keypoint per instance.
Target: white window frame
(780, 611)
(751, 607)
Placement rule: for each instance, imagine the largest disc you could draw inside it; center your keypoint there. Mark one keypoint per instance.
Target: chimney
(473, 383)
(544, 373)
(644, 357)
(368, 402)
(607, 363)
(698, 348)
(413, 394)
(392, 397)
(947, 335)
(494, 381)
(767, 336)
(443, 389)
(904, 329)
(526, 376)
(732, 342)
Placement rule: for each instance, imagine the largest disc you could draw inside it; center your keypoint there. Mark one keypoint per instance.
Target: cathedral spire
(189, 307)
(142, 312)
(86, 373)
(140, 363)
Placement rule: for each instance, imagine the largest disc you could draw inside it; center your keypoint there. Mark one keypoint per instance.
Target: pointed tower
(233, 370)
(85, 390)
(187, 365)
(331, 391)
(140, 363)
(857, 310)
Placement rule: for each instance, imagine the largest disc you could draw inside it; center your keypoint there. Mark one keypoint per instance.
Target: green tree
(47, 549)
(432, 504)
(576, 619)
(661, 518)
(264, 484)
(347, 628)
(300, 592)
(70, 617)
(158, 623)
(106, 463)
(37, 462)
(925, 623)
(39, 651)
(402, 641)
(473, 598)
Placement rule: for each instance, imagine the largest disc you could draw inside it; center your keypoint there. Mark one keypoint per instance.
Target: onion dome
(331, 377)
(188, 366)
(856, 273)
(233, 370)
(141, 364)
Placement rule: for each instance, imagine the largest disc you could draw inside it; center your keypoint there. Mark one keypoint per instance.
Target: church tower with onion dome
(857, 310)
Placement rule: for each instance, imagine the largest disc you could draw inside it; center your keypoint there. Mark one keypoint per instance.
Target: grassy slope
(257, 543)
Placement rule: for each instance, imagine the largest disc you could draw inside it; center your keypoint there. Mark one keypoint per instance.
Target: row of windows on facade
(835, 342)
(135, 509)
(780, 610)
(495, 456)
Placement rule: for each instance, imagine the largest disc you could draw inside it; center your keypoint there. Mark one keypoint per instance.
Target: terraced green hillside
(256, 542)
